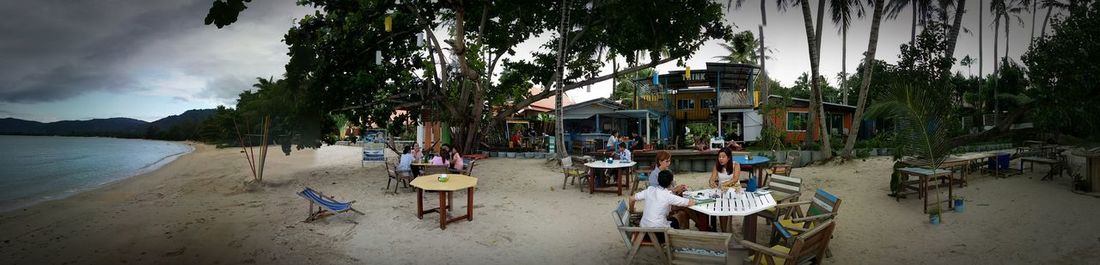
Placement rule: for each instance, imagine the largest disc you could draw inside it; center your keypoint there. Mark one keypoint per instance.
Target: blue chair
(327, 206)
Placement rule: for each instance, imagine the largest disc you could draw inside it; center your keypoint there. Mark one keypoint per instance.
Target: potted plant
(934, 215)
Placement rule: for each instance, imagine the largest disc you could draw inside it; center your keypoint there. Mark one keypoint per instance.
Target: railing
(734, 99)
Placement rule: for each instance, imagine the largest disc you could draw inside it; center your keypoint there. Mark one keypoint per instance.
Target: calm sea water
(39, 168)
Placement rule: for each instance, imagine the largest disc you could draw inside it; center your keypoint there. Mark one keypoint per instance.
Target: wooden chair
(792, 221)
(571, 171)
(635, 237)
(641, 179)
(399, 177)
(470, 168)
(807, 248)
(697, 247)
(794, 158)
(435, 169)
(784, 189)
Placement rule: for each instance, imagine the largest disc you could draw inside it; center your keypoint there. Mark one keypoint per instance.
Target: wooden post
(263, 149)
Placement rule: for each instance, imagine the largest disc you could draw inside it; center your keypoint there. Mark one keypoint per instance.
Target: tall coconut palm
(868, 59)
(1010, 10)
(920, 9)
(841, 11)
(742, 49)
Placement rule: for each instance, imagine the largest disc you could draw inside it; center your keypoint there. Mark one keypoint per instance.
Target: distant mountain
(125, 127)
(192, 116)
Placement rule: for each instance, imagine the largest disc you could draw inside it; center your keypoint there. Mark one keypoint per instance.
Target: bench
(1055, 165)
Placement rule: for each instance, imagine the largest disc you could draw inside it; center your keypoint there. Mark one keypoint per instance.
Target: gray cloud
(55, 50)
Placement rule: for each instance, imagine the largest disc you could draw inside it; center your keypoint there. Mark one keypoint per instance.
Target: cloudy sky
(74, 60)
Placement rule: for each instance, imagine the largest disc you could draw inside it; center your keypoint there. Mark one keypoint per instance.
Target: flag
(687, 73)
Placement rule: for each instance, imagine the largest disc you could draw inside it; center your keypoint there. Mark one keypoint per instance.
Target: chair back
(784, 186)
(781, 169)
(391, 169)
(810, 247)
(470, 168)
(622, 218)
(794, 158)
(566, 162)
(696, 247)
(823, 203)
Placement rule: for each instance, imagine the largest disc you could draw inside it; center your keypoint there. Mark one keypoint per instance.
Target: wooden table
(746, 204)
(625, 168)
(925, 175)
(962, 163)
(454, 183)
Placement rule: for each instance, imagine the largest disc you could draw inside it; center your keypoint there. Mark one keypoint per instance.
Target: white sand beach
(197, 210)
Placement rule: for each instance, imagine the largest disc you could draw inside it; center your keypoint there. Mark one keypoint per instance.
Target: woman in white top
(726, 172)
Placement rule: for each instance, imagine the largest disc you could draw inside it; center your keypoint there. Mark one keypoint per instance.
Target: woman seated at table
(663, 160)
(453, 159)
(417, 154)
(726, 174)
(404, 164)
(659, 201)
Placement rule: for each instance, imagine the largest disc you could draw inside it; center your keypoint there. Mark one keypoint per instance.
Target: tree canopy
(345, 61)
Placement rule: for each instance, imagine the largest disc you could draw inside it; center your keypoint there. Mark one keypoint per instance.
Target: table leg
(443, 210)
(470, 204)
(450, 201)
(419, 203)
(592, 181)
(950, 194)
(619, 181)
(749, 228)
(923, 191)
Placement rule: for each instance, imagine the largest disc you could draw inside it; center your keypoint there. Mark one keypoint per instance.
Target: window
(835, 123)
(707, 103)
(797, 121)
(685, 104)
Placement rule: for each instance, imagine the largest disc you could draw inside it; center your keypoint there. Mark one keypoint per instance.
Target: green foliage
(702, 131)
(1063, 75)
(742, 49)
(624, 88)
(342, 61)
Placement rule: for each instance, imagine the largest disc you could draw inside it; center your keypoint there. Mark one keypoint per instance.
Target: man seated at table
(404, 165)
(659, 201)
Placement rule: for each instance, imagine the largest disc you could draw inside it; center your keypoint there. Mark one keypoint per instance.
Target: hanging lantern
(378, 57)
(389, 23)
(687, 73)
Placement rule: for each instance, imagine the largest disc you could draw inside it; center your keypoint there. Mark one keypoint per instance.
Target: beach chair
(635, 237)
(791, 221)
(571, 171)
(326, 206)
(783, 189)
(697, 247)
(807, 248)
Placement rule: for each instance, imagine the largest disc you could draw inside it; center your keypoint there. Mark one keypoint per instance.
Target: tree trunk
(844, 66)
(1046, 19)
(981, 40)
(559, 132)
(817, 113)
(764, 70)
(913, 27)
(953, 35)
(1034, 7)
(1008, 40)
(869, 58)
(996, 42)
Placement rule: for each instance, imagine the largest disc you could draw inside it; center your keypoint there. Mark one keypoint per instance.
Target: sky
(78, 60)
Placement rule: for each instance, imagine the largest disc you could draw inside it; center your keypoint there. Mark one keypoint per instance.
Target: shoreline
(65, 194)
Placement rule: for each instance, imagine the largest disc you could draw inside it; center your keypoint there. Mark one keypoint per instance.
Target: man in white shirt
(659, 201)
(612, 141)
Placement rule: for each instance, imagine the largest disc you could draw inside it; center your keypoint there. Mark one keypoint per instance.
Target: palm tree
(1005, 10)
(869, 57)
(969, 63)
(921, 9)
(841, 11)
(742, 49)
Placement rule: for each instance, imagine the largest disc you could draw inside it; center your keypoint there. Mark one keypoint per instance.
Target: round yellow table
(454, 183)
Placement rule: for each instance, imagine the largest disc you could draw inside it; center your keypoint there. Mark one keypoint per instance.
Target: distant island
(173, 127)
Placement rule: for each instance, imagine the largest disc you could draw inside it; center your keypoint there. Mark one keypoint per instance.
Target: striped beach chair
(326, 206)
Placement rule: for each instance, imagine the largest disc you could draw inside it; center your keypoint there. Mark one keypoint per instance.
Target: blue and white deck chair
(326, 206)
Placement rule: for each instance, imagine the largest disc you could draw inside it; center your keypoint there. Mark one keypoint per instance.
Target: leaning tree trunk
(872, 47)
(817, 113)
(981, 39)
(953, 35)
(559, 132)
(1043, 31)
(844, 66)
(996, 42)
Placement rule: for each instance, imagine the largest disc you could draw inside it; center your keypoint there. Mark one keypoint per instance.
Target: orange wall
(779, 119)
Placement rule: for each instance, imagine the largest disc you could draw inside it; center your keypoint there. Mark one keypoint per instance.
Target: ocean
(40, 168)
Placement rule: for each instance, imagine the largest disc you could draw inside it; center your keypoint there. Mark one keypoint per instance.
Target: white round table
(731, 203)
(602, 164)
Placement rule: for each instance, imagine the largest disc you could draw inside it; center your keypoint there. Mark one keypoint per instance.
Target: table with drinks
(733, 201)
(624, 169)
